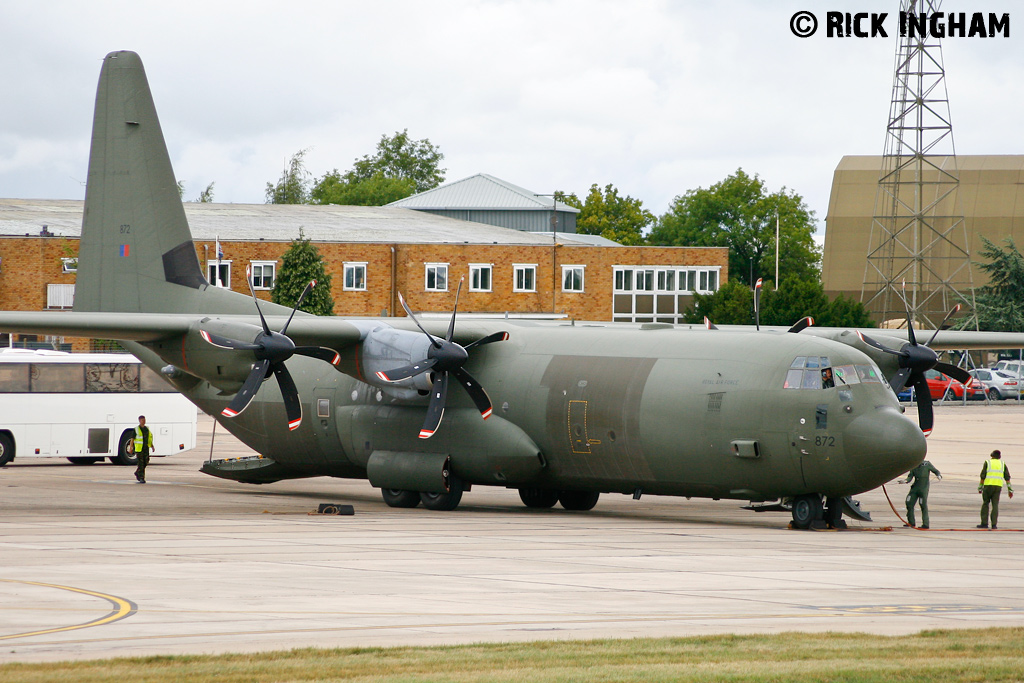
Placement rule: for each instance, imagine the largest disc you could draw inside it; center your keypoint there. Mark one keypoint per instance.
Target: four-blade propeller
(443, 357)
(914, 361)
(271, 350)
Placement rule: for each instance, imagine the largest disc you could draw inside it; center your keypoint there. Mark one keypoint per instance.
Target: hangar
(990, 197)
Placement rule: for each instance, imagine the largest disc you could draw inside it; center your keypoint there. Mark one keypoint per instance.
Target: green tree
(206, 196)
(733, 304)
(1000, 304)
(739, 213)
(605, 213)
(399, 156)
(377, 190)
(293, 187)
(300, 264)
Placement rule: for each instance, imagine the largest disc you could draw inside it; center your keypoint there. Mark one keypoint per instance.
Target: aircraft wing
(336, 333)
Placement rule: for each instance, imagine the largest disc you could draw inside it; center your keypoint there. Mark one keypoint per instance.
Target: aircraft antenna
(918, 233)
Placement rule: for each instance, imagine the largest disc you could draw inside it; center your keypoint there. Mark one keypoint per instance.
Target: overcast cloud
(654, 97)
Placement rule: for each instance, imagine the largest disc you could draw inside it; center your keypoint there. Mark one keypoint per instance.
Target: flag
(220, 255)
(220, 250)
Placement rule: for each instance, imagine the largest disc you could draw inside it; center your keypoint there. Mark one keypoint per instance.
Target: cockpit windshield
(817, 372)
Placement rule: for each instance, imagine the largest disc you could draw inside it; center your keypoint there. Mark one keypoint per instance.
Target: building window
(572, 278)
(355, 277)
(263, 274)
(661, 294)
(436, 277)
(479, 277)
(60, 296)
(225, 273)
(525, 277)
(69, 265)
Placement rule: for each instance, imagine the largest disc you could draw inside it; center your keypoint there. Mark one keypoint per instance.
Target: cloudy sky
(656, 97)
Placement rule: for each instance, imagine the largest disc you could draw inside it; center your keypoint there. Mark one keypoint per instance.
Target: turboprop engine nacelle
(386, 348)
(224, 368)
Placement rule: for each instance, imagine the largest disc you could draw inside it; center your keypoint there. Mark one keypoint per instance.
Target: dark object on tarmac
(335, 509)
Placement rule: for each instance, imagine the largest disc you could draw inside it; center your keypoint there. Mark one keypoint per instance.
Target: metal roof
(485, 192)
(281, 223)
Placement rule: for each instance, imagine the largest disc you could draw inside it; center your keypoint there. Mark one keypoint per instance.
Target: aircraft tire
(398, 498)
(444, 502)
(578, 500)
(84, 461)
(6, 448)
(806, 509)
(125, 456)
(538, 498)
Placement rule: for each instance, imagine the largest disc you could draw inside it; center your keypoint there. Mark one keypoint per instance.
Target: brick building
(372, 253)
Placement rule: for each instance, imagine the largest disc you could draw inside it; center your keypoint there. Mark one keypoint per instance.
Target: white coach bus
(85, 406)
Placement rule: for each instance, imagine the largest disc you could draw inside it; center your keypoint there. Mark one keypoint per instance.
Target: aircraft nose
(883, 444)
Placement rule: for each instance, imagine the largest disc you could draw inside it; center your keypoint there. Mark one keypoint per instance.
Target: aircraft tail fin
(136, 252)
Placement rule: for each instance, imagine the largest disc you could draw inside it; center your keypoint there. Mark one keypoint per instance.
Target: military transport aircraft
(794, 420)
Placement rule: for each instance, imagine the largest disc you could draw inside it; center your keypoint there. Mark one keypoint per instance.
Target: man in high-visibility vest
(994, 474)
(143, 445)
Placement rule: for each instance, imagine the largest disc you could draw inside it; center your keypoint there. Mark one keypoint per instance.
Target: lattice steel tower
(918, 235)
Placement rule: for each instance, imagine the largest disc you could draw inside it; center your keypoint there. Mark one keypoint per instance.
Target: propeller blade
(306, 290)
(451, 325)
(801, 325)
(489, 339)
(320, 352)
(475, 391)
(248, 281)
(910, 323)
(292, 406)
(438, 395)
(225, 343)
(925, 416)
(954, 311)
(708, 324)
(408, 311)
(757, 304)
(406, 371)
(899, 380)
(959, 374)
(871, 342)
(249, 388)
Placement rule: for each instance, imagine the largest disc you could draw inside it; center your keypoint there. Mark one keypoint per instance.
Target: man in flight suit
(994, 474)
(143, 445)
(919, 491)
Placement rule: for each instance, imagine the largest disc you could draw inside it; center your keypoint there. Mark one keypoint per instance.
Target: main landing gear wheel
(578, 500)
(126, 449)
(444, 502)
(538, 498)
(807, 509)
(397, 498)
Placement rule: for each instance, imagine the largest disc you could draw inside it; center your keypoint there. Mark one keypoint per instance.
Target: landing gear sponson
(449, 500)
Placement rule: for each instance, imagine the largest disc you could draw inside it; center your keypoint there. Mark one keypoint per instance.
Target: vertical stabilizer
(136, 252)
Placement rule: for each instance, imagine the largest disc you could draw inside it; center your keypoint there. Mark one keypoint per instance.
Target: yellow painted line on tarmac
(122, 609)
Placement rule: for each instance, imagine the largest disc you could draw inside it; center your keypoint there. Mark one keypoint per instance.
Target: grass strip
(947, 655)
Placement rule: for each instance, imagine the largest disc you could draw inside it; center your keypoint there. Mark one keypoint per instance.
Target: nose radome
(882, 444)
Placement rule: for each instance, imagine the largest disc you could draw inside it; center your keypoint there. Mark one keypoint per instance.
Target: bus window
(13, 378)
(151, 382)
(112, 377)
(54, 378)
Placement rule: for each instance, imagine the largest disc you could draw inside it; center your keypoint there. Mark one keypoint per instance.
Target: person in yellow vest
(143, 445)
(994, 474)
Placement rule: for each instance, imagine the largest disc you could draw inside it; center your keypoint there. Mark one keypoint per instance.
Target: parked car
(940, 384)
(998, 384)
(1010, 367)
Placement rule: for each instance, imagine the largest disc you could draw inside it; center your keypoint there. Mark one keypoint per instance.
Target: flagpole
(776, 249)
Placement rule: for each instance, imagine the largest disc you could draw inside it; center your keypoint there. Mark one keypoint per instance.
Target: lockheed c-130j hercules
(797, 420)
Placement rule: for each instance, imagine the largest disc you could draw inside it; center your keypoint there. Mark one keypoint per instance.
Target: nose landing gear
(809, 512)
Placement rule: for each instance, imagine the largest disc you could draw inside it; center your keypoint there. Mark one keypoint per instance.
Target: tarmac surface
(94, 565)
